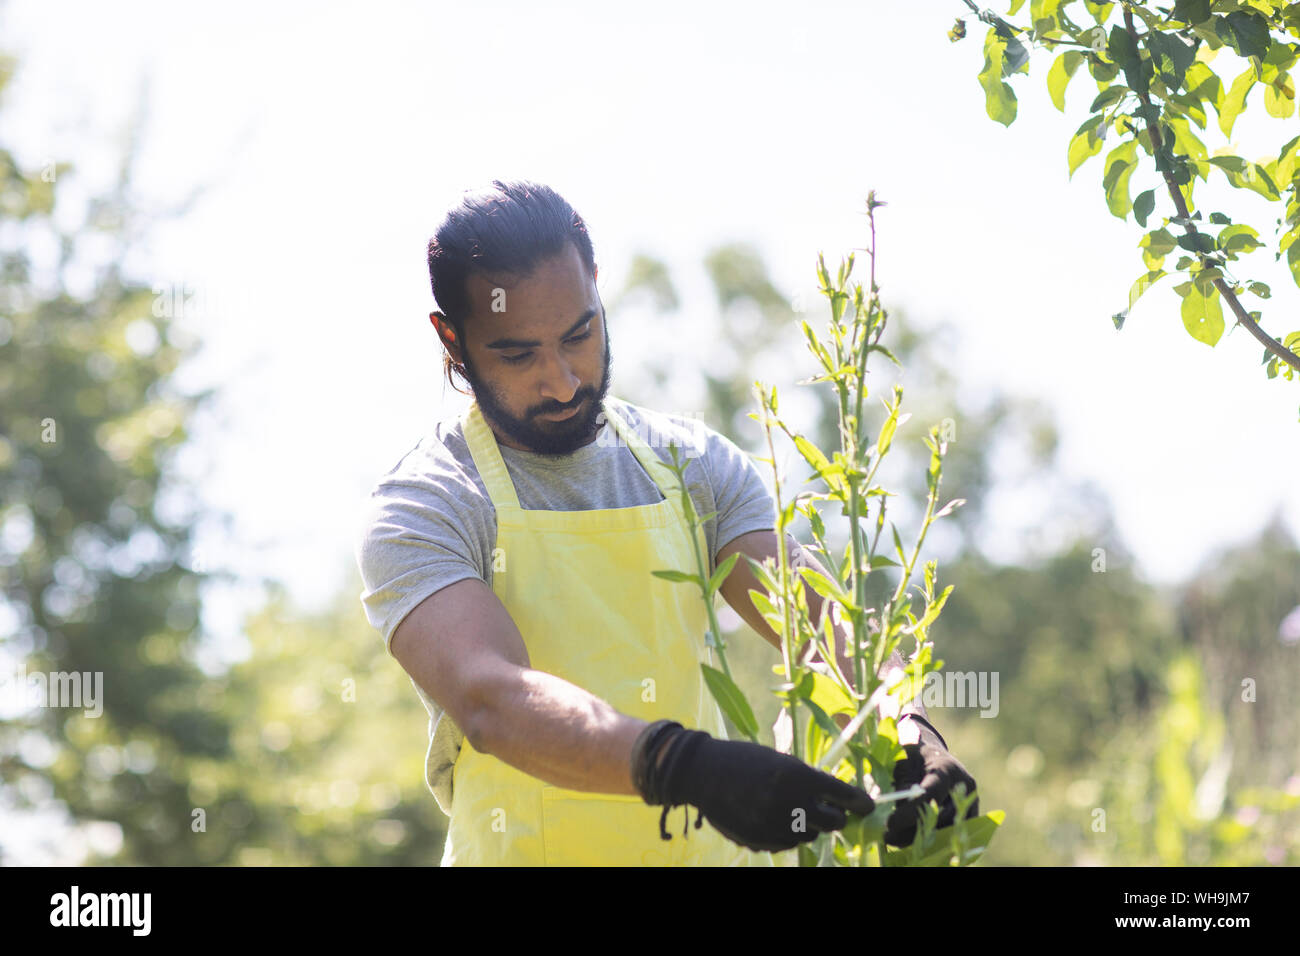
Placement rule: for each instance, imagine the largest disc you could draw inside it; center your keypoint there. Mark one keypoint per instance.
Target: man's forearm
(554, 730)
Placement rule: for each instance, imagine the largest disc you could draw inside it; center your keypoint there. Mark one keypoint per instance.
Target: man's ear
(446, 334)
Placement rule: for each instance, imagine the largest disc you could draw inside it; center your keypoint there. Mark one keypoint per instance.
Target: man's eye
(517, 359)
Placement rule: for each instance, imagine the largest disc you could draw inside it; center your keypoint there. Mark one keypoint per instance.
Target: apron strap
(492, 467)
(487, 459)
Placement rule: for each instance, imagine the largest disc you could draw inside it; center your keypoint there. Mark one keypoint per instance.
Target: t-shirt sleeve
(411, 545)
(743, 502)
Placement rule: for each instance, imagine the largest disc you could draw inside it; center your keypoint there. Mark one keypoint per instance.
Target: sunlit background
(287, 165)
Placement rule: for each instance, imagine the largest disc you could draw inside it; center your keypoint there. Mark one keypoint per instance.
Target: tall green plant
(844, 723)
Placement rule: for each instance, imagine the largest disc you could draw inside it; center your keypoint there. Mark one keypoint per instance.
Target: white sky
(335, 136)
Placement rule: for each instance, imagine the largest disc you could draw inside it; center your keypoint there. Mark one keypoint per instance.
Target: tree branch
(1243, 317)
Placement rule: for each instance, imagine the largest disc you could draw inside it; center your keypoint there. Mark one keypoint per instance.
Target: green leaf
(999, 99)
(887, 433)
(977, 833)
(1287, 160)
(811, 453)
(679, 576)
(1046, 16)
(1140, 286)
(731, 701)
(1246, 33)
(1192, 11)
(1219, 219)
(1277, 103)
(1197, 242)
(1204, 84)
(898, 544)
(1120, 163)
(1259, 289)
(721, 572)
(880, 561)
(823, 720)
(1171, 56)
(1202, 315)
(1238, 239)
(1155, 246)
(1108, 97)
(1123, 50)
(1058, 77)
(826, 587)
(1143, 205)
(1235, 101)
(1085, 143)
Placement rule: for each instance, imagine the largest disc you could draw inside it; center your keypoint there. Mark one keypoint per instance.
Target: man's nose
(559, 384)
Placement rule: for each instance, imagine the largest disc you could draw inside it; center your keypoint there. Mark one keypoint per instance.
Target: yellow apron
(578, 586)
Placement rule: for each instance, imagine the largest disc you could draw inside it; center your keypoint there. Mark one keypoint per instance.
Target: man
(507, 561)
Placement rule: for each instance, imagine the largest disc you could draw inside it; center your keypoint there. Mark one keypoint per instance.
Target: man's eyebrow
(523, 344)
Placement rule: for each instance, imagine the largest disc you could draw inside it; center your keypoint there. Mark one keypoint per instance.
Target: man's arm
(760, 545)
(462, 648)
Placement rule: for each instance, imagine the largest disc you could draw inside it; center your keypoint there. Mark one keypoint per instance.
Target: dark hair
(506, 228)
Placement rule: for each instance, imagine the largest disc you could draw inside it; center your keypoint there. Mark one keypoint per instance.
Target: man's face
(538, 346)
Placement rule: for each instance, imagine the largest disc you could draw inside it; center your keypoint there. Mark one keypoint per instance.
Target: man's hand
(753, 795)
(928, 763)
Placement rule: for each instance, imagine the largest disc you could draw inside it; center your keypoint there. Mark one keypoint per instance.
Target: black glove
(746, 791)
(931, 765)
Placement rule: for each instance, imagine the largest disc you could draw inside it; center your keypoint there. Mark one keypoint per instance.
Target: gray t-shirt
(430, 522)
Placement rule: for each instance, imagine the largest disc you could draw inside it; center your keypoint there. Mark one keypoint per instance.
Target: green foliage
(867, 748)
(265, 762)
(1152, 66)
(89, 424)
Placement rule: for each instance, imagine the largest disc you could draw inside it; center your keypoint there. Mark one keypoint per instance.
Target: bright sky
(334, 136)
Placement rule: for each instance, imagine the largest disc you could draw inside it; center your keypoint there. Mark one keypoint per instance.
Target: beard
(537, 434)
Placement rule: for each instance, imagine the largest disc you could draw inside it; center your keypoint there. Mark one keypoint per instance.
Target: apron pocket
(602, 829)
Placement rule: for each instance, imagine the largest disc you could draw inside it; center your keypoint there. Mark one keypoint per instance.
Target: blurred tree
(94, 526)
(1235, 613)
(324, 766)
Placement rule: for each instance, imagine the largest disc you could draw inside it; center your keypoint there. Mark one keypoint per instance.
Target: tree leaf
(1277, 103)
(1140, 286)
(1171, 56)
(1238, 239)
(1124, 51)
(1084, 144)
(999, 99)
(1143, 205)
(1246, 33)
(1192, 11)
(1235, 101)
(1202, 315)
(1120, 163)
(1058, 77)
